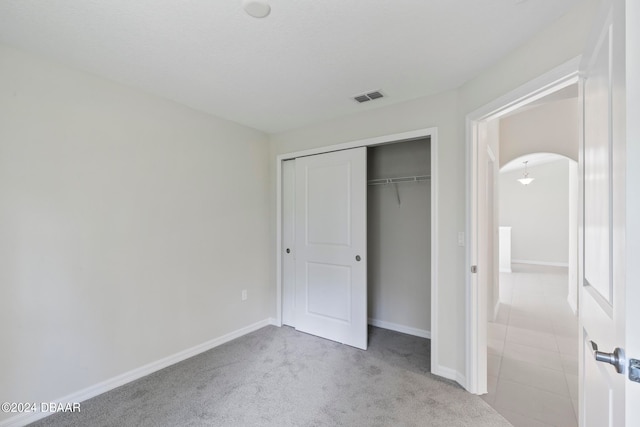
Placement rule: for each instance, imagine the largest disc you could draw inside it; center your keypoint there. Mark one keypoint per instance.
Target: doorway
(399, 237)
(532, 354)
(477, 315)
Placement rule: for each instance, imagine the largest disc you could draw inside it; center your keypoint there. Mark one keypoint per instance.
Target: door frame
(476, 307)
(431, 133)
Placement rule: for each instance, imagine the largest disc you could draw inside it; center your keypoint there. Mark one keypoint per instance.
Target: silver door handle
(616, 358)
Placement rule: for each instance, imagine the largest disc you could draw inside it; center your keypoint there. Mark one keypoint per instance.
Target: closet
(356, 241)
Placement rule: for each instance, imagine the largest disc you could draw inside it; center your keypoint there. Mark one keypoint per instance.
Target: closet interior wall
(399, 238)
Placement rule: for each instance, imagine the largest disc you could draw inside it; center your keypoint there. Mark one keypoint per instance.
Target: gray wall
(399, 236)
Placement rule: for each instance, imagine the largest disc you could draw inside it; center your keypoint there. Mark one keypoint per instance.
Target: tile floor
(533, 349)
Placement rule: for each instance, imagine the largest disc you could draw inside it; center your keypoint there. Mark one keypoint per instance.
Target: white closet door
(331, 243)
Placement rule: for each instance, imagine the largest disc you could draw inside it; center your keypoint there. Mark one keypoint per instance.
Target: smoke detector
(370, 96)
(256, 8)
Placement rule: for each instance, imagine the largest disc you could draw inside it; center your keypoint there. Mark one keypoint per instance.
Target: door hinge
(474, 269)
(634, 370)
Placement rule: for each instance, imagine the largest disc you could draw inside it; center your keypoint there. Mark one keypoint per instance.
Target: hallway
(533, 349)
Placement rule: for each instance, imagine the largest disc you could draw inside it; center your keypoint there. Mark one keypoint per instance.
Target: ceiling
(534, 159)
(301, 64)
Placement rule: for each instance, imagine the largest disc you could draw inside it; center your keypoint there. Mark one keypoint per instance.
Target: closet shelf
(399, 180)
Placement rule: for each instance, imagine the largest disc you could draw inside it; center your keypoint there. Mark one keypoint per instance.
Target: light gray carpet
(281, 377)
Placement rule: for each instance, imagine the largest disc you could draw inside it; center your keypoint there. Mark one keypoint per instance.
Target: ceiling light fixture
(256, 8)
(525, 180)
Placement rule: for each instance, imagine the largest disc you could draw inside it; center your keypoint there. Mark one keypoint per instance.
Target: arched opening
(538, 220)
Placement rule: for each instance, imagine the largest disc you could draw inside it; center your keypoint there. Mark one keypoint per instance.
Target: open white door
(331, 243)
(632, 291)
(603, 253)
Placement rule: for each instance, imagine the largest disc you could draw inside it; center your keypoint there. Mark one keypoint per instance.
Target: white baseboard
(551, 264)
(422, 333)
(450, 374)
(127, 377)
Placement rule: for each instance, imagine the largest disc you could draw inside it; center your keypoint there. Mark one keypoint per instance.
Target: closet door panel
(330, 233)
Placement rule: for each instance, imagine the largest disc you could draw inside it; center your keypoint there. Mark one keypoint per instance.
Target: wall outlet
(244, 295)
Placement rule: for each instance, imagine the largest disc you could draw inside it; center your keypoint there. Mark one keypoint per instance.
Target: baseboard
(422, 333)
(127, 377)
(550, 264)
(450, 374)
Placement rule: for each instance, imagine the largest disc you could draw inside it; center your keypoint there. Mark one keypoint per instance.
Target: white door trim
(432, 133)
(562, 76)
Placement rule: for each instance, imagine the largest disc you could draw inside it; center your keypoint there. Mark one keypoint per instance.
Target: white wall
(574, 202)
(399, 238)
(538, 213)
(522, 133)
(561, 41)
(492, 140)
(128, 227)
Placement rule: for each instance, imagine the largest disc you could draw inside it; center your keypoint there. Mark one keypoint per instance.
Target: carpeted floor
(281, 377)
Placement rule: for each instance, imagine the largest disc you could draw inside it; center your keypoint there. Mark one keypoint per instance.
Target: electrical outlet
(244, 295)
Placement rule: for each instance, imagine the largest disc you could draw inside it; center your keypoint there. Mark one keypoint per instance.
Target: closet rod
(399, 180)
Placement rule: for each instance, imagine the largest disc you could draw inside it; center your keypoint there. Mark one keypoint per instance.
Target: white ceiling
(301, 64)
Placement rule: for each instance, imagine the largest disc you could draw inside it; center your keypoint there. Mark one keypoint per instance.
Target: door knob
(616, 358)
(288, 250)
(358, 258)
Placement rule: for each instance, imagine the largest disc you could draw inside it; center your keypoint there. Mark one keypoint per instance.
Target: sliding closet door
(331, 242)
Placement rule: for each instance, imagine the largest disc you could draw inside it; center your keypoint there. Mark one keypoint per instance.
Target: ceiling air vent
(368, 96)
